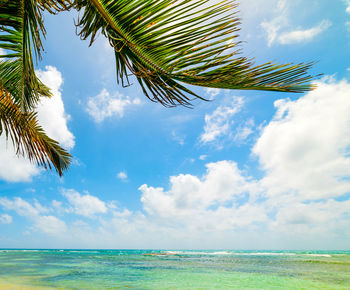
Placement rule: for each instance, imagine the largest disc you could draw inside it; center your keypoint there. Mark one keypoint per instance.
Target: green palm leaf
(166, 42)
(21, 30)
(29, 138)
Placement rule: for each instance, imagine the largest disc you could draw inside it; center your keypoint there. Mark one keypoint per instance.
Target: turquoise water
(142, 269)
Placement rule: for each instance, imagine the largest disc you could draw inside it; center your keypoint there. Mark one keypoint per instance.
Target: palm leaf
(21, 30)
(168, 42)
(29, 138)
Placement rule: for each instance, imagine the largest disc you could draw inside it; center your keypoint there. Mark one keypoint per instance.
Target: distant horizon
(222, 250)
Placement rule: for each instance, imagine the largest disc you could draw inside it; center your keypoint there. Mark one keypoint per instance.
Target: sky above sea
(245, 170)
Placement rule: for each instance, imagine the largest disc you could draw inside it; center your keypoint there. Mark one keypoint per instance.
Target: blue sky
(247, 170)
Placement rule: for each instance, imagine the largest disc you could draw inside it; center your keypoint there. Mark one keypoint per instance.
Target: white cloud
(244, 131)
(2, 51)
(177, 138)
(47, 224)
(122, 175)
(303, 35)
(53, 119)
(279, 21)
(212, 202)
(212, 92)
(347, 3)
(219, 123)
(51, 111)
(271, 29)
(5, 219)
(85, 205)
(315, 213)
(305, 148)
(203, 157)
(50, 225)
(56, 204)
(278, 28)
(105, 105)
(20, 206)
(14, 168)
(323, 223)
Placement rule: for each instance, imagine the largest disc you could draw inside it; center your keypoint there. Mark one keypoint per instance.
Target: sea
(175, 269)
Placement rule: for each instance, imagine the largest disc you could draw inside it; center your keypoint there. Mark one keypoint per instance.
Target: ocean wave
(81, 251)
(319, 255)
(265, 254)
(197, 253)
(218, 253)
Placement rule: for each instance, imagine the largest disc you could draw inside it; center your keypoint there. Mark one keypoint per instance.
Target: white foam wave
(209, 253)
(197, 253)
(319, 255)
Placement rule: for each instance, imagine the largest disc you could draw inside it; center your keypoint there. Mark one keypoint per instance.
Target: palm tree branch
(21, 32)
(28, 138)
(191, 41)
(22, 28)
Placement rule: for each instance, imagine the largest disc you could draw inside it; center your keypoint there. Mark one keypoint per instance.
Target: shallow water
(142, 269)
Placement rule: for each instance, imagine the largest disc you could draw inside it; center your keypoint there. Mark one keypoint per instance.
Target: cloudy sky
(247, 170)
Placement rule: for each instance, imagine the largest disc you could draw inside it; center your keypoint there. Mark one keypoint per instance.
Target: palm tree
(165, 44)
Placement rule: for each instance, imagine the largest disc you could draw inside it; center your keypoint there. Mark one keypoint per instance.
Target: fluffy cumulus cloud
(105, 105)
(51, 112)
(219, 122)
(52, 118)
(85, 205)
(305, 148)
(279, 29)
(216, 201)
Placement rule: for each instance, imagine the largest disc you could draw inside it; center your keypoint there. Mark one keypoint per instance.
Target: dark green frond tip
(28, 138)
(54, 6)
(165, 42)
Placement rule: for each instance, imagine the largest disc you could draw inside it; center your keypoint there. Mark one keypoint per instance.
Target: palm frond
(54, 6)
(165, 42)
(28, 138)
(21, 31)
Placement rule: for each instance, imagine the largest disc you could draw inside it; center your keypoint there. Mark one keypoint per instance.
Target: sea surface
(145, 269)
